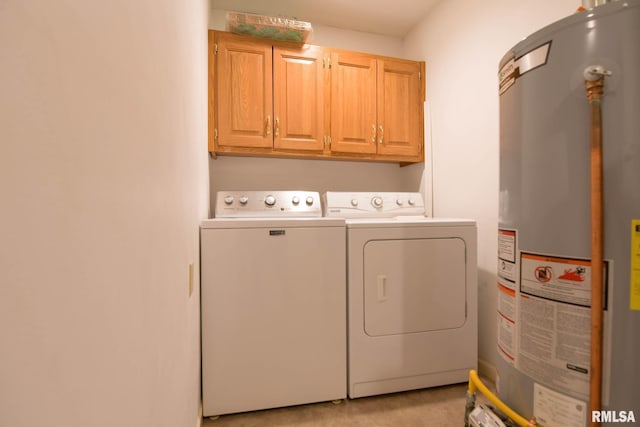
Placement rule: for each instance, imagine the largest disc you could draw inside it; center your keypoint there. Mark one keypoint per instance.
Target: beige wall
(103, 181)
(462, 44)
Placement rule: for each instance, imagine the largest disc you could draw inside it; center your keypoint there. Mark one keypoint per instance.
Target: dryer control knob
(412, 202)
(244, 200)
(269, 200)
(399, 202)
(295, 200)
(376, 202)
(354, 202)
(228, 200)
(309, 201)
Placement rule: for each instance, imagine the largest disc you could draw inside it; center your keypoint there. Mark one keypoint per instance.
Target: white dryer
(412, 293)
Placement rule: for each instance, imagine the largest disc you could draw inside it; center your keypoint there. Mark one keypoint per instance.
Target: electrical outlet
(190, 278)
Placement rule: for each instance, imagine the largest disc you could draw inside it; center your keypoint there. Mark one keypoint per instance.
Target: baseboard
(487, 370)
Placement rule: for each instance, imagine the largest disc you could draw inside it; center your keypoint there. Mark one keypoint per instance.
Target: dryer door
(414, 285)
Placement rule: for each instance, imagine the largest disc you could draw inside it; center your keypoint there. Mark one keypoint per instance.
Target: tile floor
(437, 407)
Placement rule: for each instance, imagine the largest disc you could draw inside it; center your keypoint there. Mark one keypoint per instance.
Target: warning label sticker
(506, 322)
(507, 289)
(560, 279)
(507, 248)
(553, 315)
(507, 245)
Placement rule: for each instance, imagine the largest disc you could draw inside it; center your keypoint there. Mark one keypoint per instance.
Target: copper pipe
(595, 90)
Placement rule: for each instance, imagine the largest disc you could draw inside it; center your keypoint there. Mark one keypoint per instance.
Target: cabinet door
(298, 90)
(353, 103)
(245, 94)
(399, 108)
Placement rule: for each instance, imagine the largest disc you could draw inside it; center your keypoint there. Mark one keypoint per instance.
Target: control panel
(372, 205)
(267, 204)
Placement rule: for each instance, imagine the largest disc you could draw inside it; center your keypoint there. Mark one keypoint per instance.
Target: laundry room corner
(462, 47)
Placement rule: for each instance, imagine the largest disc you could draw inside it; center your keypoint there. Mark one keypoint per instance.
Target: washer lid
(271, 223)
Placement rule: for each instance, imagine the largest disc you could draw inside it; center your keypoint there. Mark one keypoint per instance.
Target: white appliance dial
(228, 200)
(354, 202)
(412, 202)
(309, 200)
(244, 200)
(295, 200)
(376, 202)
(269, 200)
(399, 202)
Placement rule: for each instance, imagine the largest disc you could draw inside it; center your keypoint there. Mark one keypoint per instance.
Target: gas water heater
(545, 235)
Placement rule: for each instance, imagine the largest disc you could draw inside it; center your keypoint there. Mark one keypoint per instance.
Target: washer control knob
(399, 202)
(376, 202)
(412, 202)
(309, 200)
(295, 200)
(269, 200)
(228, 200)
(354, 202)
(244, 200)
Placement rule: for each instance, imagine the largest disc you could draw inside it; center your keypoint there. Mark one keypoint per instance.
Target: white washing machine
(273, 303)
(412, 293)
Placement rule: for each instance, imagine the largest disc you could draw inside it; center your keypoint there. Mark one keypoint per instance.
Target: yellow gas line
(476, 384)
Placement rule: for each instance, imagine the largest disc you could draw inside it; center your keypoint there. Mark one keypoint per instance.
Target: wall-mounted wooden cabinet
(243, 86)
(299, 99)
(268, 99)
(376, 105)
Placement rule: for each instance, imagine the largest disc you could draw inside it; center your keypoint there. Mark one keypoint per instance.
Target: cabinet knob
(373, 138)
(267, 127)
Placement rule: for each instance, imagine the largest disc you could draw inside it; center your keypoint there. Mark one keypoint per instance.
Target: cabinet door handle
(373, 138)
(277, 130)
(381, 135)
(267, 127)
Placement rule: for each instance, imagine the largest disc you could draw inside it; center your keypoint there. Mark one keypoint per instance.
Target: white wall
(236, 173)
(103, 181)
(462, 44)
